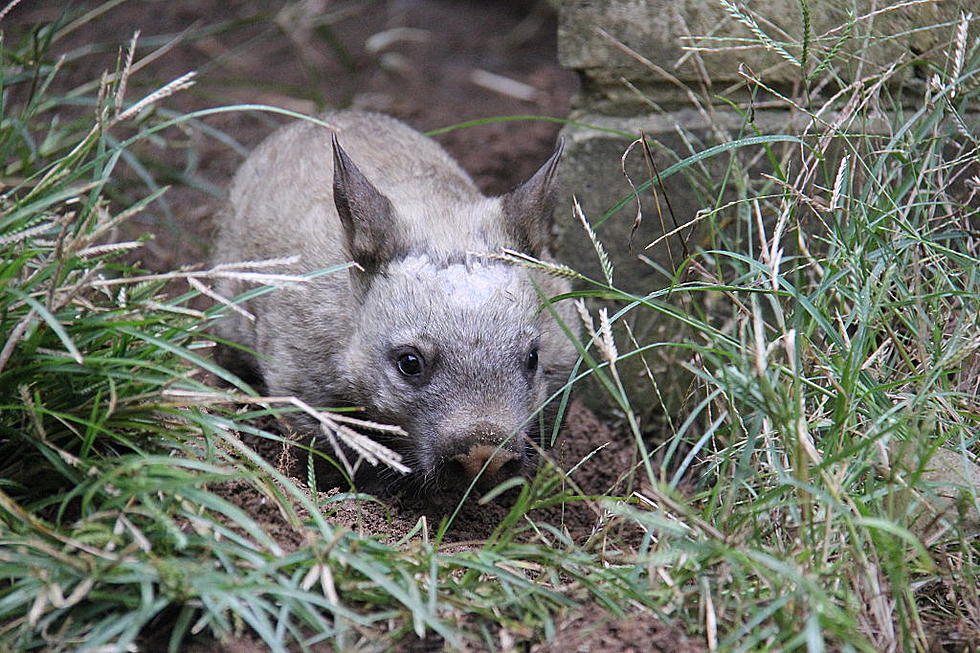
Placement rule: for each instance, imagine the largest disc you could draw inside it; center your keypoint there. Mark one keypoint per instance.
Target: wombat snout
(485, 453)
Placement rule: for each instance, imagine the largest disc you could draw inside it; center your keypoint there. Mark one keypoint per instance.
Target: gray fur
(394, 202)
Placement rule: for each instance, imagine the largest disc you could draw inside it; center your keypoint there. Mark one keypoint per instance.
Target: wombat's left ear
(529, 209)
(366, 215)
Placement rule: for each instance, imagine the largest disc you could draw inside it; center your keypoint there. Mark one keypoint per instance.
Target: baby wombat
(427, 332)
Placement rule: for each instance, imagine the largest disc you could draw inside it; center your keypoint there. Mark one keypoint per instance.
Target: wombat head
(453, 346)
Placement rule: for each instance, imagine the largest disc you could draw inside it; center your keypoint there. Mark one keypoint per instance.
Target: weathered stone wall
(639, 72)
(649, 43)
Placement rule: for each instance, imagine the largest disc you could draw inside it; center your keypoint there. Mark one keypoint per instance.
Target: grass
(837, 359)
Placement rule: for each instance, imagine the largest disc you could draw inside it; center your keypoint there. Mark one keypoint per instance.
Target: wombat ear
(529, 209)
(366, 215)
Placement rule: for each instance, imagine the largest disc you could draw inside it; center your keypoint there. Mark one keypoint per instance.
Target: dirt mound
(596, 630)
(600, 460)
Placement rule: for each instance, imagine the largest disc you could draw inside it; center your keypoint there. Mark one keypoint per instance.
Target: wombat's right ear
(529, 209)
(366, 215)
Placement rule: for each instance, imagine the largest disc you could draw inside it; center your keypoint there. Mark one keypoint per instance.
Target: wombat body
(427, 333)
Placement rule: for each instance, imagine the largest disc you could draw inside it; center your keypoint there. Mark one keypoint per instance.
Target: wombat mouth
(453, 478)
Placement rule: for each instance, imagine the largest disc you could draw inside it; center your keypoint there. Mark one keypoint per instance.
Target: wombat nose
(484, 453)
(493, 462)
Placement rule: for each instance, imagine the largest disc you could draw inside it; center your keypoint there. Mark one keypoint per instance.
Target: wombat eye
(532, 359)
(410, 364)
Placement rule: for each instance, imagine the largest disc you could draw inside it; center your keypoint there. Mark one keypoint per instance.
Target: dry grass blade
(332, 423)
(526, 260)
(183, 82)
(224, 301)
(839, 180)
(654, 173)
(258, 278)
(600, 250)
(10, 7)
(125, 73)
(638, 219)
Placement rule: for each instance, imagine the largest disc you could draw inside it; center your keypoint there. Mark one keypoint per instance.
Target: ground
(431, 63)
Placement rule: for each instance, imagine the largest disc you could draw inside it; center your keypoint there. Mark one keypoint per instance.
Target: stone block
(667, 44)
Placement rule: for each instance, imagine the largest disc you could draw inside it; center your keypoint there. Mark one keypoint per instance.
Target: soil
(596, 630)
(611, 459)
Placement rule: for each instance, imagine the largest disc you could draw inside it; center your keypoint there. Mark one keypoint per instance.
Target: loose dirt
(609, 457)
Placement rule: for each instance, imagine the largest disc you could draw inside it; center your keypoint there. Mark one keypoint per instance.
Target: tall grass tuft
(833, 438)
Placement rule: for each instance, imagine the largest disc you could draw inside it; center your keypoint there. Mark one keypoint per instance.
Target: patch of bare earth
(592, 630)
(610, 459)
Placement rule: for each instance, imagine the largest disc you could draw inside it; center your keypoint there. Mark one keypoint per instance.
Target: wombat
(426, 332)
